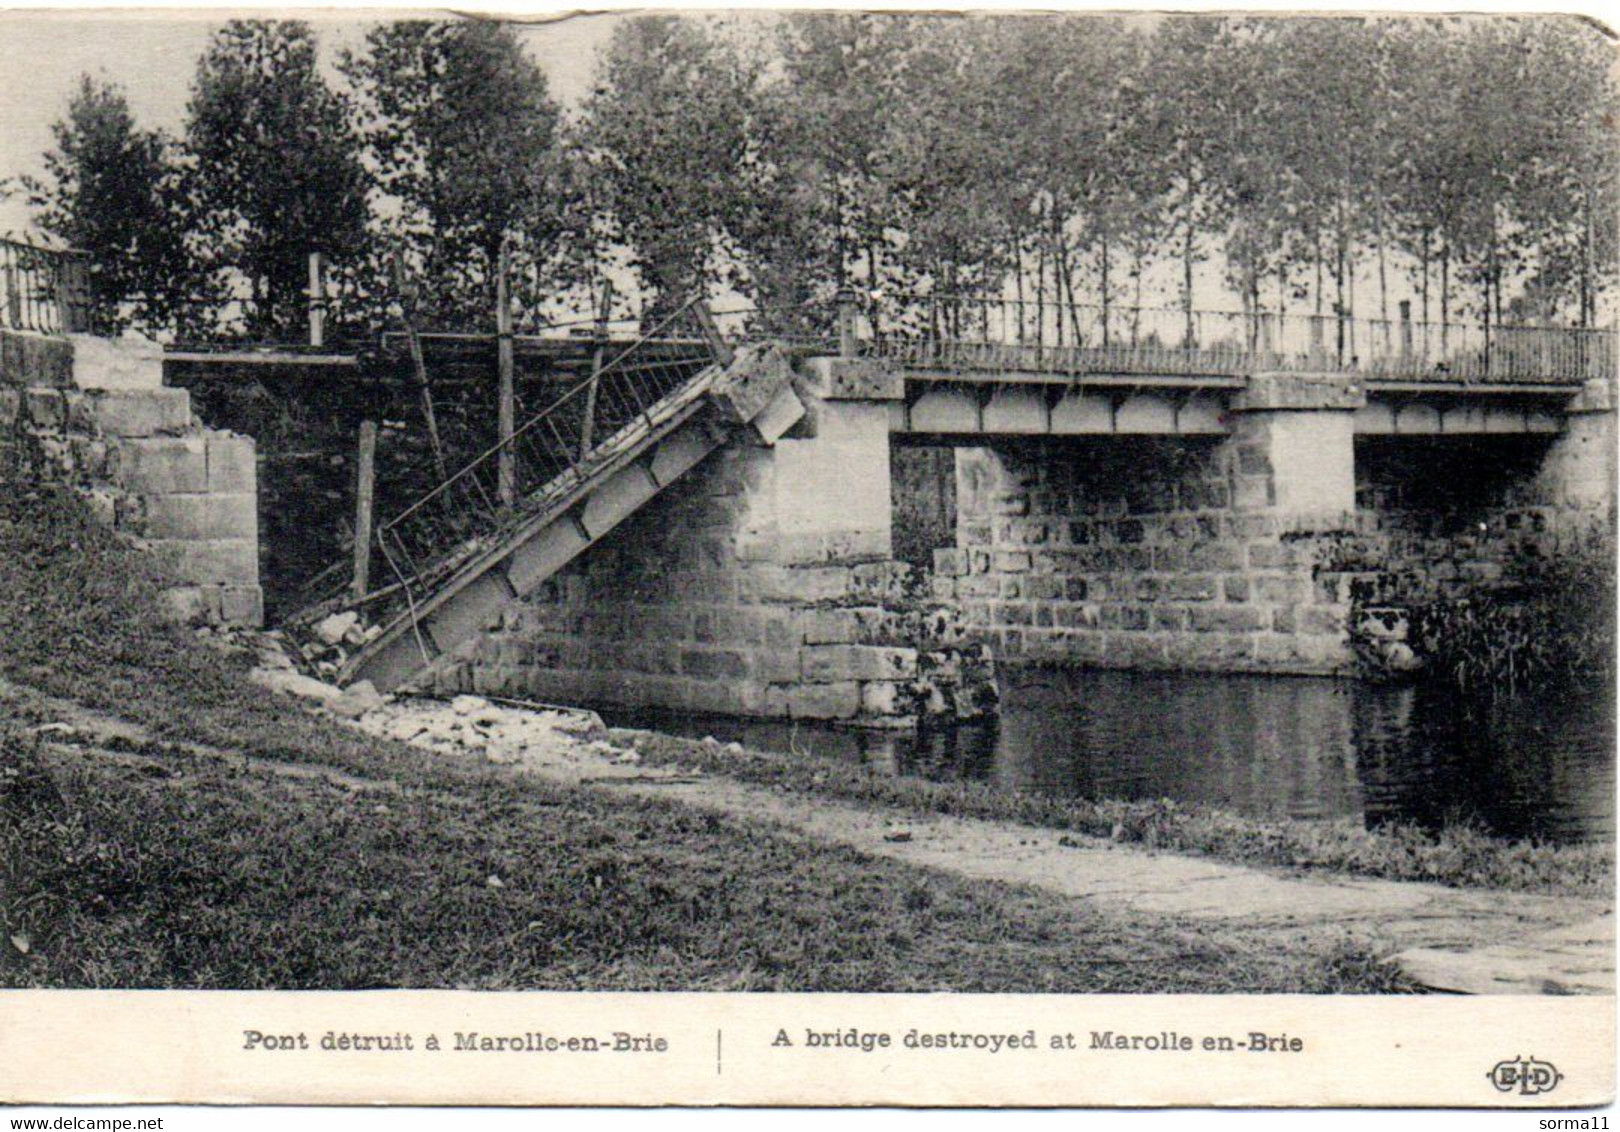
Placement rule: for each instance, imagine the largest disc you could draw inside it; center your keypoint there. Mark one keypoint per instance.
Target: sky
(153, 56)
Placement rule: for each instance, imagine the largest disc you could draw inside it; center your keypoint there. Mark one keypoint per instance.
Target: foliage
(111, 192)
(460, 127)
(1086, 166)
(1062, 161)
(272, 171)
(667, 131)
(1552, 624)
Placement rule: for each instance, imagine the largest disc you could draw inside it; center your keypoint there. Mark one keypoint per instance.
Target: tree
(273, 170)
(109, 192)
(462, 132)
(1567, 191)
(668, 127)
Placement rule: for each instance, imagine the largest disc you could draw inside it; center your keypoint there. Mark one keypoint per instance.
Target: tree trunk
(1105, 304)
(1383, 266)
(1187, 251)
(1018, 280)
(1445, 295)
(1588, 313)
(1339, 308)
(1316, 257)
(1060, 272)
(1136, 294)
(1423, 258)
(1040, 293)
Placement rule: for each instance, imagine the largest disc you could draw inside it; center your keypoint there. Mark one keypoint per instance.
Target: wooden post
(848, 330)
(419, 365)
(317, 300)
(711, 332)
(365, 486)
(587, 427)
(506, 467)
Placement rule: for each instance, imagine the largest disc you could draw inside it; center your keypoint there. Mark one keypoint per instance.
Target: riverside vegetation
(236, 841)
(1553, 623)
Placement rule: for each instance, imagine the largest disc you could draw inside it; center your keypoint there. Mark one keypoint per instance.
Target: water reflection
(1301, 747)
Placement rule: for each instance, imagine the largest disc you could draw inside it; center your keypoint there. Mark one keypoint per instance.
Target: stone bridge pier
(763, 583)
(94, 414)
(1153, 551)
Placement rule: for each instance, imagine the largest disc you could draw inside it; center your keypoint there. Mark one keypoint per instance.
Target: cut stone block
(130, 362)
(231, 462)
(212, 516)
(834, 663)
(190, 605)
(210, 561)
(45, 408)
(752, 380)
(854, 379)
(136, 412)
(783, 412)
(35, 359)
(824, 701)
(241, 605)
(163, 465)
(1274, 391)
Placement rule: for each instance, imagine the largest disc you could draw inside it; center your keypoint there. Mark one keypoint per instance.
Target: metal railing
(972, 333)
(550, 453)
(44, 289)
(811, 326)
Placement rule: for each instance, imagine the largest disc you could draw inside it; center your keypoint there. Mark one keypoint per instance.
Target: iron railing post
(587, 426)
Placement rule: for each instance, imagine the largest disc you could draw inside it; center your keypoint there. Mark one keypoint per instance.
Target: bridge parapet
(996, 335)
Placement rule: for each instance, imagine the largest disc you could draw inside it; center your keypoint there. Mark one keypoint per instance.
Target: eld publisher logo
(1529, 1076)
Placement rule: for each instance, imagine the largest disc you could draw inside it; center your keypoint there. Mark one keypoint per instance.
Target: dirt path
(1468, 940)
(1454, 939)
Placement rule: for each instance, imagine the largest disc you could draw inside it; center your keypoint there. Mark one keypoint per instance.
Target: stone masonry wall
(1442, 517)
(760, 584)
(1211, 554)
(1138, 552)
(95, 414)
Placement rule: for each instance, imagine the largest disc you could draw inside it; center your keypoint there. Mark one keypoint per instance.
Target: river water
(1261, 745)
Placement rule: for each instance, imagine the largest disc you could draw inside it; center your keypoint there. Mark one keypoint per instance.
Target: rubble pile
(325, 647)
(502, 734)
(560, 738)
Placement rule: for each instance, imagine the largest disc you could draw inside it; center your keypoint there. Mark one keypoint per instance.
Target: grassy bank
(154, 867)
(1455, 856)
(183, 873)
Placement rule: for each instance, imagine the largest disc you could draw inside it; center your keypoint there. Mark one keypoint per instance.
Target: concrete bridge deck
(1021, 403)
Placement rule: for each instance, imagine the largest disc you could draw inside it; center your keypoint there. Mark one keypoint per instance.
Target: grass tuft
(1458, 855)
